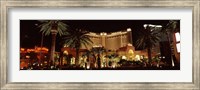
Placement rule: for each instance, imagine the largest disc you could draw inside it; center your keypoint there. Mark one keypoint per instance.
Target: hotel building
(110, 41)
(119, 42)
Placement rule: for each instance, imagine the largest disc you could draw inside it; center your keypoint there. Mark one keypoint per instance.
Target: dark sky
(30, 35)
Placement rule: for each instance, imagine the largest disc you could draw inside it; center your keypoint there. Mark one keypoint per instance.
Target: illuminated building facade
(115, 43)
(110, 41)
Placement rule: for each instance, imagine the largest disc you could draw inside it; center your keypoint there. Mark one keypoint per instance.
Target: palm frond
(77, 38)
(148, 38)
(46, 26)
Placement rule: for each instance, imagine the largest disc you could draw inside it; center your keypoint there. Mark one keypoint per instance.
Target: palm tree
(111, 58)
(52, 27)
(147, 40)
(98, 51)
(87, 54)
(170, 28)
(76, 38)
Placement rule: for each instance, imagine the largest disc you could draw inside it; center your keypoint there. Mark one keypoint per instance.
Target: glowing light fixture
(137, 57)
(65, 52)
(22, 49)
(128, 29)
(88, 67)
(123, 57)
(27, 56)
(105, 34)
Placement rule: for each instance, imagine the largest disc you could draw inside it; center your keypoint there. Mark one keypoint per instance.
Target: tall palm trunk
(61, 59)
(149, 56)
(77, 57)
(99, 61)
(53, 44)
(94, 60)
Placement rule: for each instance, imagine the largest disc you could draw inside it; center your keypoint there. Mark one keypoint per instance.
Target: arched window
(130, 54)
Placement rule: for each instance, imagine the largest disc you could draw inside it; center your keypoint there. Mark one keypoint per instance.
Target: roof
(125, 48)
(73, 49)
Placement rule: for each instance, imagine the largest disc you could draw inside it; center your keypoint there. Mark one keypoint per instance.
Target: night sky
(30, 35)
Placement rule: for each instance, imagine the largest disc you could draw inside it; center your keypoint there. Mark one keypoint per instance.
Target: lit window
(178, 46)
(177, 35)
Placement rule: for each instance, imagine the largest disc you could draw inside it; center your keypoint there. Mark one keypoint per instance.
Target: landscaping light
(137, 57)
(123, 57)
(88, 67)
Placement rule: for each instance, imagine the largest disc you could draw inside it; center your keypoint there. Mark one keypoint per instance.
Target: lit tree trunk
(88, 59)
(53, 32)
